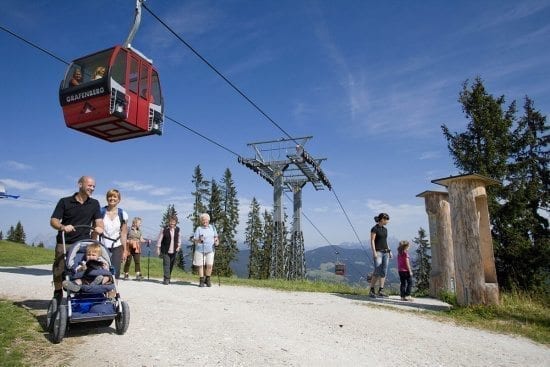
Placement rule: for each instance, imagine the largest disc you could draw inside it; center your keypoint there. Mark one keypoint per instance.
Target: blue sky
(372, 82)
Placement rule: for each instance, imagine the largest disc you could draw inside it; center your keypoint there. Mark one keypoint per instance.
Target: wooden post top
(427, 193)
(466, 177)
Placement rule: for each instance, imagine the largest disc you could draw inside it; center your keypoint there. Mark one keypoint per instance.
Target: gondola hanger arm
(135, 26)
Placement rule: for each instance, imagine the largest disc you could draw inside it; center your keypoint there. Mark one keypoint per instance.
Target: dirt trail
(181, 325)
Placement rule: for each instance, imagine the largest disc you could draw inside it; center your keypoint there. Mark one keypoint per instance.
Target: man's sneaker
(126, 276)
(208, 283)
(201, 282)
(372, 294)
(71, 286)
(382, 294)
(139, 277)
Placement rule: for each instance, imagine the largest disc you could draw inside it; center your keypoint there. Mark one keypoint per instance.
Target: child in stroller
(93, 270)
(90, 298)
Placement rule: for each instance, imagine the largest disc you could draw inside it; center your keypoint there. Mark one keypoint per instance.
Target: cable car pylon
(286, 166)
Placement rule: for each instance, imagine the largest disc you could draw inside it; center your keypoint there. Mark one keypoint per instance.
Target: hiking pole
(219, 281)
(201, 237)
(217, 270)
(148, 256)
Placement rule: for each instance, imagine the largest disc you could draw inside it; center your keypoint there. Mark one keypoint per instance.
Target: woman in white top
(115, 230)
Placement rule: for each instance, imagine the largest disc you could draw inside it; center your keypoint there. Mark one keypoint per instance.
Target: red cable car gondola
(339, 267)
(113, 94)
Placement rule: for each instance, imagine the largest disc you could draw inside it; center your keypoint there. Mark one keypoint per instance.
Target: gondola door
(132, 91)
(138, 86)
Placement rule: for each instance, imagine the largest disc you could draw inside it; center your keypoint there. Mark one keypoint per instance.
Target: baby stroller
(98, 303)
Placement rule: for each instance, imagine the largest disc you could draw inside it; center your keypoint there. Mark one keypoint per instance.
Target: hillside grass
(20, 334)
(18, 330)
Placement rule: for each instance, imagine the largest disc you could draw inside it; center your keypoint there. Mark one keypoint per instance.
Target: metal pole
(148, 256)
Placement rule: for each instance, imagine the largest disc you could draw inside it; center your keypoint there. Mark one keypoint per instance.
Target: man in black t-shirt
(78, 209)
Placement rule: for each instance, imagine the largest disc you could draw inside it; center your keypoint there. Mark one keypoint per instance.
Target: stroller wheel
(59, 324)
(50, 316)
(122, 320)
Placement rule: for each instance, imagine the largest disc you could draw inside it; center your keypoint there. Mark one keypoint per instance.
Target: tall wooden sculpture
(442, 275)
(476, 278)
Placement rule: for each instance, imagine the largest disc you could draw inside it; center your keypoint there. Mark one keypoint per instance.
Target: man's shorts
(199, 260)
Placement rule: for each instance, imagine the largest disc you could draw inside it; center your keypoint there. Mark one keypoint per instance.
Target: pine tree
(1, 236)
(520, 225)
(217, 214)
(227, 225)
(169, 213)
(215, 208)
(422, 262)
(201, 195)
(484, 147)
(11, 234)
(265, 266)
(253, 238)
(19, 233)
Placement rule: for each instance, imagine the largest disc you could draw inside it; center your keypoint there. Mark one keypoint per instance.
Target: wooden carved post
(476, 281)
(442, 275)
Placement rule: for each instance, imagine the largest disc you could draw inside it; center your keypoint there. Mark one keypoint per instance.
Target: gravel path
(182, 325)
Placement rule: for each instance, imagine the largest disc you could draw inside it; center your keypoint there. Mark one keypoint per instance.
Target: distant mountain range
(320, 264)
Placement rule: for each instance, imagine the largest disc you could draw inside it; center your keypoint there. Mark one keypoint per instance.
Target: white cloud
(301, 110)
(132, 204)
(323, 209)
(406, 107)
(54, 193)
(518, 11)
(20, 185)
(538, 36)
(405, 219)
(187, 20)
(39, 191)
(17, 166)
(138, 186)
(26, 203)
(429, 155)
(249, 62)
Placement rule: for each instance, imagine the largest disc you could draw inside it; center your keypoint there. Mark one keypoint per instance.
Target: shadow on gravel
(81, 329)
(39, 307)
(419, 304)
(26, 271)
(159, 281)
